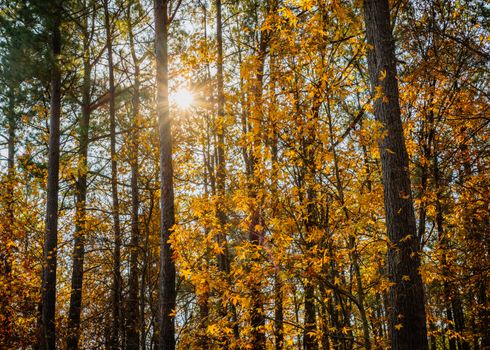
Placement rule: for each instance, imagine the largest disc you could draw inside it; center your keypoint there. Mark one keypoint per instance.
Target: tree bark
(278, 313)
(220, 130)
(81, 197)
(310, 342)
(10, 195)
(407, 315)
(443, 246)
(256, 235)
(351, 240)
(8, 232)
(48, 327)
(278, 283)
(117, 280)
(167, 216)
(310, 223)
(132, 324)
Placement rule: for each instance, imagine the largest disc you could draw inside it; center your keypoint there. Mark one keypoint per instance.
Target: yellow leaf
(382, 75)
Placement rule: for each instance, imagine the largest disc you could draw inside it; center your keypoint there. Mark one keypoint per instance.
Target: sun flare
(183, 98)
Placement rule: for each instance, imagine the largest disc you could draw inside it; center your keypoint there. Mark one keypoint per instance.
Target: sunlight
(183, 98)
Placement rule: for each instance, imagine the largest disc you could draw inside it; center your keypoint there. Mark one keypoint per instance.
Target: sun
(183, 98)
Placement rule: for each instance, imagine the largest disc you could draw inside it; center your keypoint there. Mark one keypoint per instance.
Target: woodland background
(280, 237)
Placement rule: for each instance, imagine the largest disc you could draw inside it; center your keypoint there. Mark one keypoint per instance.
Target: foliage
(301, 220)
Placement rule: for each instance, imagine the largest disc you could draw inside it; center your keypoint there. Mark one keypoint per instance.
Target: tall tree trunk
(351, 239)
(117, 280)
(452, 300)
(459, 322)
(81, 197)
(474, 235)
(256, 235)
(443, 246)
(132, 323)
(278, 313)
(220, 130)
(145, 269)
(278, 284)
(310, 222)
(167, 266)
(203, 297)
(223, 258)
(10, 222)
(8, 234)
(407, 315)
(310, 341)
(432, 338)
(48, 328)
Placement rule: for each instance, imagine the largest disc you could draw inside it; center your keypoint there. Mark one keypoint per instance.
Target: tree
(117, 281)
(407, 315)
(133, 327)
(48, 323)
(81, 227)
(167, 210)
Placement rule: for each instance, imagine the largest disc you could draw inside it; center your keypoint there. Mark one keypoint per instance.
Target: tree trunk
(352, 239)
(256, 235)
(48, 330)
(310, 342)
(407, 315)
(443, 246)
(311, 221)
(8, 234)
(221, 165)
(117, 281)
(167, 216)
(278, 313)
(80, 214)
(145, 269)
(10, 195)
(223, 258)
(278, 284)
(473, 235)
(132, 324)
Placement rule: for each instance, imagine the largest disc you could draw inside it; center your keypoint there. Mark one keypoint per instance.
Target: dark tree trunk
(223, 258)
(452, 300)
(9, 227)
(8, 234)
(352, 239)
(311, 222)
(278, 284)
(48, 331)
(432, 339)
(459, 322)
(310, 327)
(310, 342)
(474, 235)
(132, 324)
(443, 246)
(256, 236)
(167, 266)
(80, 214)
(117, 281)
(145, 268)
(221, 166)
(278, 313)
(407, 315)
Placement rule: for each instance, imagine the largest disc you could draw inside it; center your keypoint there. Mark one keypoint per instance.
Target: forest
(245, 174)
